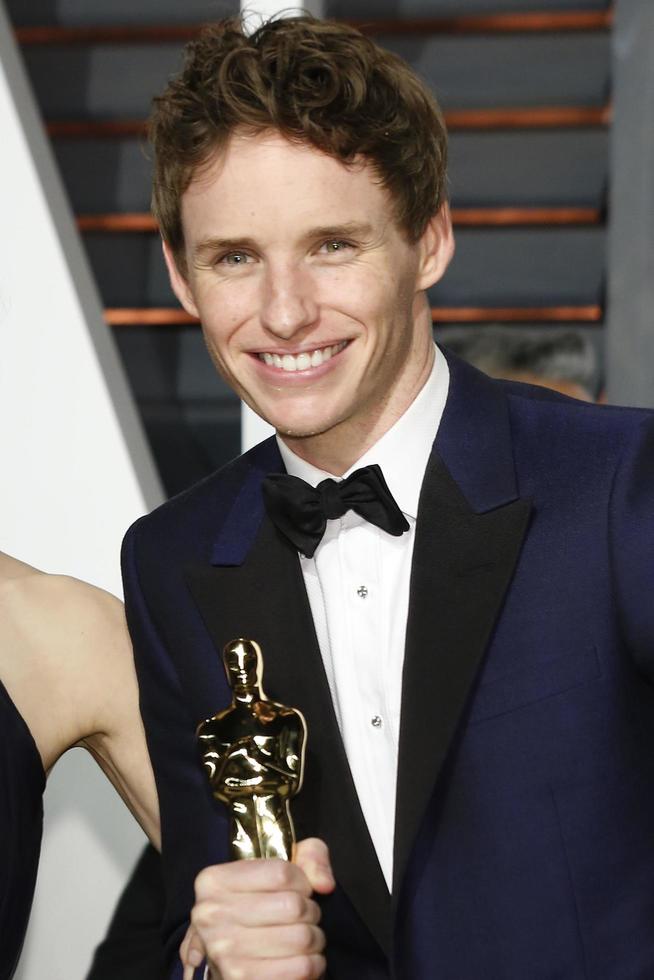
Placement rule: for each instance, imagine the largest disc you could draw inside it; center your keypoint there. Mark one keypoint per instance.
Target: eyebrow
(352, 229)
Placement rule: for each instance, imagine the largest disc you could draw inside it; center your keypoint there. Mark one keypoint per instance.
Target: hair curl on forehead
(316, 82)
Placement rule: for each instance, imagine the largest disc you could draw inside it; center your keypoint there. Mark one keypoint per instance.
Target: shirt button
(362, 592)
(376, 721)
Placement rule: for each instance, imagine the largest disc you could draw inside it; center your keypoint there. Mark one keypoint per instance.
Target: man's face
(310, 297)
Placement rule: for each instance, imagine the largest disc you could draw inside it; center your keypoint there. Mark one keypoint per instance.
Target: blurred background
(550, 108)
(528, 88)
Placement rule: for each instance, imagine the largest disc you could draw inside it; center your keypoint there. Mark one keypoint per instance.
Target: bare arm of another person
(66, 661)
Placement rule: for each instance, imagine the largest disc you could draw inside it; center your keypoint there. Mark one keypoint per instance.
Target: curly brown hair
(314, 81)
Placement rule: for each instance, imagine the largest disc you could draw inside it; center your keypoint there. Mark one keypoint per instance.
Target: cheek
(224, 307)
(222, 327)
(218, 349)
(355, 287)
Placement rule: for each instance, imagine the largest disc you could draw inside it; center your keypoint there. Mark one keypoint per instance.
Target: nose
(288, 304)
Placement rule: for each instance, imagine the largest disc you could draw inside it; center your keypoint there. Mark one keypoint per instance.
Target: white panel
(264, 9)
(253, 428)
(76, 472)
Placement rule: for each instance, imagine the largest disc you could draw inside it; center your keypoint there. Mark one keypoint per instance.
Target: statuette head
(242, 660)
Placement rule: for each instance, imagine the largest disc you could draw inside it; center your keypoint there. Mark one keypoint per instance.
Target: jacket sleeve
(187, 812)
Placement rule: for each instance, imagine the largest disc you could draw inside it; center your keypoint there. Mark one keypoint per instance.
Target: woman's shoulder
(61, 639)
(63, 595)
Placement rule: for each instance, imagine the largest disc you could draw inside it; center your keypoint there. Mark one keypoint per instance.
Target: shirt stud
(362, 592)
(376, 721)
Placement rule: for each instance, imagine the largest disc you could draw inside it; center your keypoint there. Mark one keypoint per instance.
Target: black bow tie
(301, 511)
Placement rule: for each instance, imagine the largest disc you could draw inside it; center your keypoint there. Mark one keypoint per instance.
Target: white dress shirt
(358, 588)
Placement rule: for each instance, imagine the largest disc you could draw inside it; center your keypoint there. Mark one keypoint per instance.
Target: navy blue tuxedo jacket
(525, 806)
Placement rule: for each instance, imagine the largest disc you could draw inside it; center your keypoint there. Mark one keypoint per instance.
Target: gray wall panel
(129, 269)
(72, 12)
(480, 71)
(170, 362)
(529, 168)
(191, 417)
(105, 81)
(105, 175)
(172, 11)
(100, 81)
(530, 267)
(433, 8)
(551, 167)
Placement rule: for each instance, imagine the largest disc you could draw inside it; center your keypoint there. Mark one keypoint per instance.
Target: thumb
(312, 856)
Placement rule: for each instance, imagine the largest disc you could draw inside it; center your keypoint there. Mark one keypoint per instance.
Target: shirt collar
(403, 451)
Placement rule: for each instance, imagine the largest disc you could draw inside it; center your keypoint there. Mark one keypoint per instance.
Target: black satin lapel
(265, 599)
(462, 565)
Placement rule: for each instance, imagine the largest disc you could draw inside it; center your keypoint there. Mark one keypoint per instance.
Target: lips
(303, 361)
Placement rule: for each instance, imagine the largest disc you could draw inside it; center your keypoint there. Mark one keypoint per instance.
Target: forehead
(267, 179)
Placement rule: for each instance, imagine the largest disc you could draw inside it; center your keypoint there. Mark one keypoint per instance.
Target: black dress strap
(22, 782)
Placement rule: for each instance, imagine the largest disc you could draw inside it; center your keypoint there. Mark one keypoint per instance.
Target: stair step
(560, 21)
(169, 316)
(539, 117)
(521, 22)
(516, 314)
(144, 223)
(512, 216)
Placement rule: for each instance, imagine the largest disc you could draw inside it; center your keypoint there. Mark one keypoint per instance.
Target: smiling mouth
(305, 360)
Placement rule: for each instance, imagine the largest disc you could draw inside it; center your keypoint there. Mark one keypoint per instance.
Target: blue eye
(336, 245)
(234, 258)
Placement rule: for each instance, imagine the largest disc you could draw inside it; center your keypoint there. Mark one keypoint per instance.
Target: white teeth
(303, 361)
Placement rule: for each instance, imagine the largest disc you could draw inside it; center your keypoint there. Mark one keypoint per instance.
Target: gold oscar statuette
(253, 754)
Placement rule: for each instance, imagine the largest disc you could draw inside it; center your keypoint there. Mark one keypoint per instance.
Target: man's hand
(256, 920)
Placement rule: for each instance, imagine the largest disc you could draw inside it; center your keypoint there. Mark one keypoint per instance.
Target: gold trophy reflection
(253, 754)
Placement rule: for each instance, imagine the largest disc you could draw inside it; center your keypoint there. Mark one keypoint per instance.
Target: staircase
(526, 90)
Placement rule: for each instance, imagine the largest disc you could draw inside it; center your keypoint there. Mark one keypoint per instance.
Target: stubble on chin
(302, 433)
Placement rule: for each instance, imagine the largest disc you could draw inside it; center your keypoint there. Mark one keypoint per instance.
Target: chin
(300, 426)
(301, 431)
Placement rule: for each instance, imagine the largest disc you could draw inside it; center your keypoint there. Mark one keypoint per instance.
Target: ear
(436, 248)
(179, 282)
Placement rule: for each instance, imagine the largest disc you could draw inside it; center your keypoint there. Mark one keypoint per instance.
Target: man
(471, 651)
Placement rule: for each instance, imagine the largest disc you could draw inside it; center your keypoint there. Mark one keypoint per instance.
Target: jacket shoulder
(559, 441)
(201, 509)
(547, 408)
